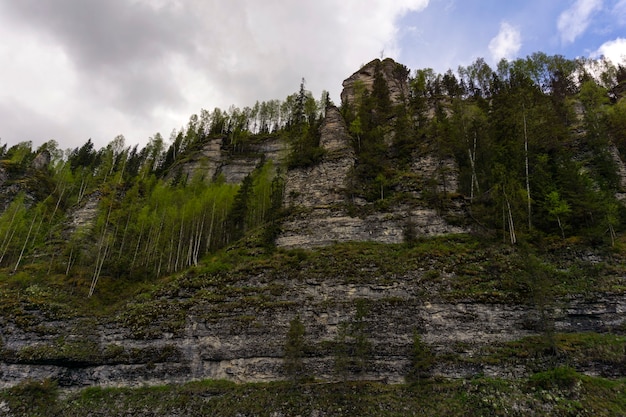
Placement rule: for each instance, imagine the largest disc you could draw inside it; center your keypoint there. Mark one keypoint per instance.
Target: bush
(33, 398)
(563, 377)
(421, 360)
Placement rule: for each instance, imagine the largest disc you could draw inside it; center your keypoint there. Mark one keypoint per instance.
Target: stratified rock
(245, 342)
(214, 160)
(442, 172)
(83, 216)
(324, 184)
(207, 161)
(3, 176)
(319, 195)
(621, 172)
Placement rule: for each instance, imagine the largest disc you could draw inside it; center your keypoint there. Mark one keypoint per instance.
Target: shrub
(563, 377)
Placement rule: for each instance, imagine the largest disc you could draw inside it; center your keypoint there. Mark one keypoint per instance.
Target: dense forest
(537, 143)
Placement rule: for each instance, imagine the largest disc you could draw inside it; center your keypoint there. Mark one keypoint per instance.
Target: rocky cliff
(340, 260)
(215, 159)
(325, 211)
(394, 74)
(233, 324)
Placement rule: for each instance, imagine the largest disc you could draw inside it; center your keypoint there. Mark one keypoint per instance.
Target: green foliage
(275, 211)
(561, 378)
(422, 359)
(480, 396)
(33, 398)
(352, 346)
(295, 344)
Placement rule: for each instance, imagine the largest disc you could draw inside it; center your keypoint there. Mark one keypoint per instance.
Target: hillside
(438, 243)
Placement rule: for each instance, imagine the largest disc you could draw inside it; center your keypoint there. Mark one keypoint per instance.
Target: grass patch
(560, 392)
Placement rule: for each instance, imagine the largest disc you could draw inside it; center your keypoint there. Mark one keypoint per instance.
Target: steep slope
(471, 304)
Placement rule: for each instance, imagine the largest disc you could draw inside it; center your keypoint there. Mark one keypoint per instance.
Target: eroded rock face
(319, 195)
(326, 226)
(83, 216)
(324, 184)
(213, 160)
(41, 161)
(621, 172)
(206, 162)
(245, 342)
(442, 172)
(3, 179)
(393, 73)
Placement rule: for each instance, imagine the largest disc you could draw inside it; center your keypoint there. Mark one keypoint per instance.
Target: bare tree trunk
(56, 207)
(19, 259)
(81, 189)
(512, 235)
(558, 220)
(132, 264)
(527, 176)
(198, 240)
(179, 248)
(69, 263)
(119, 256)
(474, 180)
(612, 233)
(8, 236)
(171, 251)
(98, 270)
(210, 236)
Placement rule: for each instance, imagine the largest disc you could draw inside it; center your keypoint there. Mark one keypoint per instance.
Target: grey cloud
(99, 34)
(118, 48)
(16, 115)
(133, 64)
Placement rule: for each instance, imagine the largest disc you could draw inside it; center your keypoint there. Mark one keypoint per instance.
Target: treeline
(535, 141)
(107, 221)
(127, 212)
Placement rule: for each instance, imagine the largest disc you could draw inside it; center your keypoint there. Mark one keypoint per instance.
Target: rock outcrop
(229, 336)
(324, 184)
(394, 74)
(621, 173)
(215, 160)
(319, 197)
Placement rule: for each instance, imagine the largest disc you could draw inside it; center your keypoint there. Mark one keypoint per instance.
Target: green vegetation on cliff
(561, 392)
(139, 258)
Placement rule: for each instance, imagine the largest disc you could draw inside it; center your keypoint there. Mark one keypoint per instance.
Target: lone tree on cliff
(294, 351)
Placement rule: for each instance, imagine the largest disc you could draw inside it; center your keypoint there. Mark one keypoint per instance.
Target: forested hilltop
(429, 228)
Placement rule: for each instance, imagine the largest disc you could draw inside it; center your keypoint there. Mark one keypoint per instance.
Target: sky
(71, 70)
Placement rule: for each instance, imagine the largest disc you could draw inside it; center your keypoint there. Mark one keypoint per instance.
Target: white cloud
(574, 21)
(506, 44)
(614, 51)
(98, 69)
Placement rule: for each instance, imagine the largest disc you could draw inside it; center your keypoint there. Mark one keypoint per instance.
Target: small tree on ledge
(294, 351)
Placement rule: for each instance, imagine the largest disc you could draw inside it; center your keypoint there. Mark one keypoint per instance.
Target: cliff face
(319, 197)
(467, 303)
(236, 325)
(215, 160)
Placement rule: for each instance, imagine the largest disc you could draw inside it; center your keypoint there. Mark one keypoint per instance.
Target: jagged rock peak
(395, 74)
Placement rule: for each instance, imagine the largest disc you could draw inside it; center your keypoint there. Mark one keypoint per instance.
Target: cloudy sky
(71, 70)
